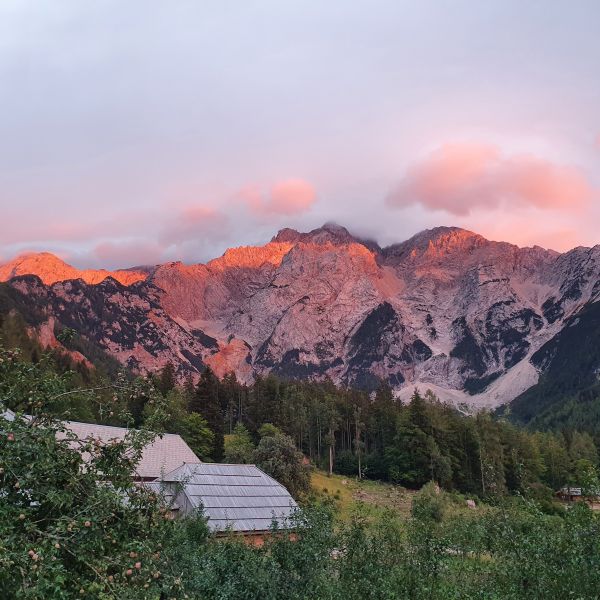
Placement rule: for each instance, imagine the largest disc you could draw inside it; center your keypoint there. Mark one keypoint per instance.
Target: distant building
(8, 415)
(238, 498)
(570, 494)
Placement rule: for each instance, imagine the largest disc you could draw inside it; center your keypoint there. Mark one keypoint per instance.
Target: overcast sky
(142, 131)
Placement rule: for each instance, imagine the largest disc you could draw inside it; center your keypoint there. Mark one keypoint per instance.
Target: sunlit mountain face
(446, 309)
(50, 269)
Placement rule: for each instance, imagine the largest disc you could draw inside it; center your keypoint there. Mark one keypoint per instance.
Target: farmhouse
(570, 494)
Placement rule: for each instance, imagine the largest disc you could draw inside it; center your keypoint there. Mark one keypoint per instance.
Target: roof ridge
(164, 434)
(223, 464)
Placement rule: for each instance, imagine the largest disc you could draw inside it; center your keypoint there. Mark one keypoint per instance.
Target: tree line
(376, 436)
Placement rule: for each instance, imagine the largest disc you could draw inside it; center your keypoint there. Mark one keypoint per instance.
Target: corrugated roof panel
(242, 501)
(235, 514)
(213, 469)
(240, 497)
(220, 480)
(235, 490)
(226, 470)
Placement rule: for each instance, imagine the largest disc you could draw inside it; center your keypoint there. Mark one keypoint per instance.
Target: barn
(234, 498)
(162, 455)
(237, 498)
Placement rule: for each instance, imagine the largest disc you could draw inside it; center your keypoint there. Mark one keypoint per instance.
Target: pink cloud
(285, 198)
(61, 227)
(560, 240)
(554, 231)
(291, 197)
(19, 228)
(460, 178)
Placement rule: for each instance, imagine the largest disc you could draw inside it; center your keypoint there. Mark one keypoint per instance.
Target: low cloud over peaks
(284, 198)
(126, 254)
(193, 222)
(463, 177)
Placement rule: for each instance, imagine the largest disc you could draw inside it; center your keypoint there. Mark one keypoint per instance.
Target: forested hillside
(568, 393)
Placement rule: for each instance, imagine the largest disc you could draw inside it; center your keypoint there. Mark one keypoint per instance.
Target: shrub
(71, 528)
(278, 456)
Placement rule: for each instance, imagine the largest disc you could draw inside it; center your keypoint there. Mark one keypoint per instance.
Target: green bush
(429, 504)
(70, 528)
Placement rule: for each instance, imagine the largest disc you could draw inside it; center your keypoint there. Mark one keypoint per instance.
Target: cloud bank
(191, 232)
(461, 178)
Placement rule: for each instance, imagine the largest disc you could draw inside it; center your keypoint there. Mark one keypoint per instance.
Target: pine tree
(166, 379)
(230, 396)
(418, 412)
(206, 402)
(189, 389)
(384, 413)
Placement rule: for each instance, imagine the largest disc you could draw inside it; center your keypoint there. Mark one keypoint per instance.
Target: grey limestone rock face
(446, 308)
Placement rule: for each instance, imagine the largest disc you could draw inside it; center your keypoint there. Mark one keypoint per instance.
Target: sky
(144, 131)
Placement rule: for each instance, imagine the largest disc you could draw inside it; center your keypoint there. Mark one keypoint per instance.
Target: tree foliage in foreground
(74, 528)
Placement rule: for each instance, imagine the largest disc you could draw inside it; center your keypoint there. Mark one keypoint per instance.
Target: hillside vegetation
(64, 536)
(350, 432)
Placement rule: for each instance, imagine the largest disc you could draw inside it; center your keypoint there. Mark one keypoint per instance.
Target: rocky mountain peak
(328, 233)
(438, 242)
(51, 269)
(450, 238)
(445, 309)
(286, 235)
(48, 267)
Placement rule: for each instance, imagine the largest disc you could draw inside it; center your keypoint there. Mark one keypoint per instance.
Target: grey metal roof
(237, 497)
(164, 454)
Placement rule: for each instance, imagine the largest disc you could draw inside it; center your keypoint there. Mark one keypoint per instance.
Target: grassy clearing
(375, 498)
(369, 497)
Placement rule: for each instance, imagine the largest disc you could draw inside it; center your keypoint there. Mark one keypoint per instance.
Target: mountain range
(477, 321)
